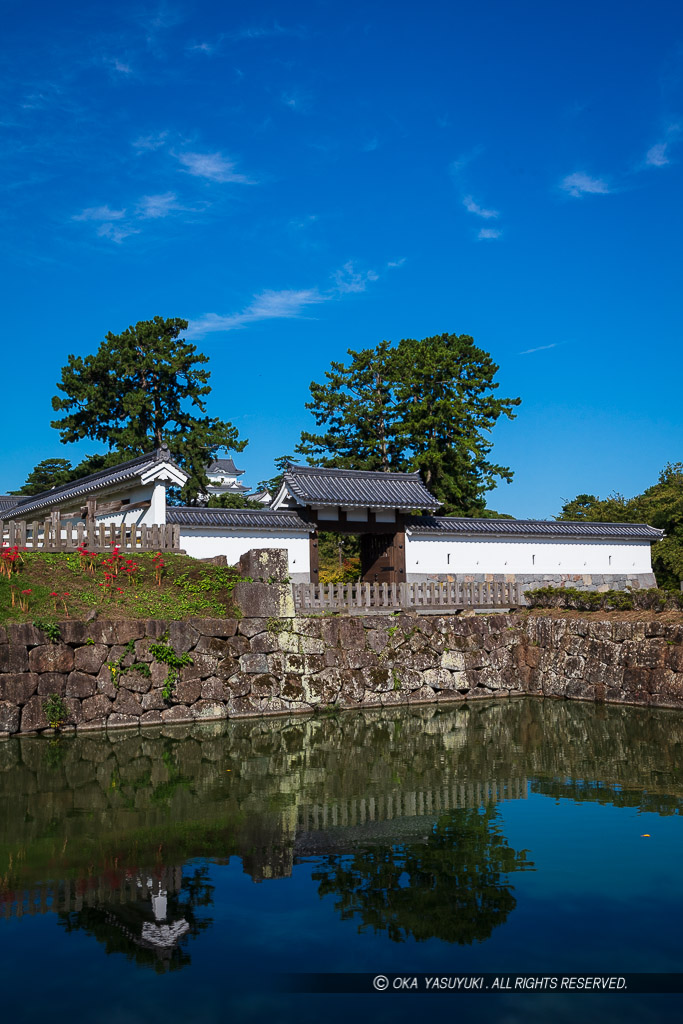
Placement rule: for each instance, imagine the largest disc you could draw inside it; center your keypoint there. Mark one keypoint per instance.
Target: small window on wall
(448, 559)
(533, 559)
(609, 559)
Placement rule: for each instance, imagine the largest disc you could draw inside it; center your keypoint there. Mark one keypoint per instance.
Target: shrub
(611, 600)
(55, 710)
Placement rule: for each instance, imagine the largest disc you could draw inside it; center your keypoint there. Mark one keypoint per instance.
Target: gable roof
(226, 466)
(238, 518)
(452, 525)
(8, 501)
(353, 488)
(136, 468)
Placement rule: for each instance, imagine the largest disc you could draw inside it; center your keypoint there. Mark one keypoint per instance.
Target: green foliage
(50, 629)
(232, 501)
(117, 668)
(55, 710)
(453, 885)
(275, 482)
(138, 391)
(418, 405)
(47, 474)
(276, 626)
(660, 505)
(611, 600)
(164, 653)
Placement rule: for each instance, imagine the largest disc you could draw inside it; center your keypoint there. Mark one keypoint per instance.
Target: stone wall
(259, 666)
(530, 581)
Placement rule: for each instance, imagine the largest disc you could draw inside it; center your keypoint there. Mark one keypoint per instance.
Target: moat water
(180, 875)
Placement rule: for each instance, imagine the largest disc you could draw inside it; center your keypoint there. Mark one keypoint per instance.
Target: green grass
(187, 588)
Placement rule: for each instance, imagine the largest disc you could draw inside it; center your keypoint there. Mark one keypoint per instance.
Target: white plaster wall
(490, 555)
(205, 543)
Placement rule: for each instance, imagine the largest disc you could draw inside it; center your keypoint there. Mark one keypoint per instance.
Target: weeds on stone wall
(164, 653)
(654, 599)
(55, 711)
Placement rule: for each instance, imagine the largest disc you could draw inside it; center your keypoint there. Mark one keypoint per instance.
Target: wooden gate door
(377, 558)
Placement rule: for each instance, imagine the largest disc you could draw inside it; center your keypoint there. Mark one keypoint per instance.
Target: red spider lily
(23, 600)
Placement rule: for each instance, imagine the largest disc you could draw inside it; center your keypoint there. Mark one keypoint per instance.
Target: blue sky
(299, 178)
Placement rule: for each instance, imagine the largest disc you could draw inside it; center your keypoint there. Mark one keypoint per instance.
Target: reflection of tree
(451, 887)
(133, 928)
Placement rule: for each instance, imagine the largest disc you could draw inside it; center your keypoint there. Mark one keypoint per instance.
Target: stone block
(13, 658)
(153, 701)
(257, 663)
(90, 658)
(215, 627)
(179, 713)
(9, 717)
(266, 643)
(265, 565)
(264, 686)
(423, 695)
(127, 703)
(138, 681)
(214, 645)
(254, 625)
(182, 636)
(208, 710)
(187, 691)
(96, 708)
(24, 633)
(437, 678)
(52, 682)
(151, 718)
(240, 684)
(292, 688)
(51, 658)
(80, 684)
(454, 661)
(18, 687)
(121, 721)
(33, 716)
(241, 707)
(215, 689)
(263, 600)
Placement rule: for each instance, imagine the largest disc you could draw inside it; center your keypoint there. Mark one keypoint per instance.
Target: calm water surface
(170, 876)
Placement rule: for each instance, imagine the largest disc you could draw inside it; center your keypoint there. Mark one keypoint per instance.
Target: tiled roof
(312, 485)
(8, 501)
(226, 466)
(237, 518)
(426, 525)
(88, 484)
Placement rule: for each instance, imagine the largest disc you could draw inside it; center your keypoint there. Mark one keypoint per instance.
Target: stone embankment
(266, 666)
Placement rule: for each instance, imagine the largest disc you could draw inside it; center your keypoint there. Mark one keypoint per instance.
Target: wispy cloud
(116, 232)
(539, 348)
(348, 279)
(120, 66)
(100, 213)
(580, 184)
(473, 207)
(208, 49)
(153, 207)
(392, 264)
(371, 146)
(299, 102)
(213, 167)
(657, 155)
(461, 162)
(286, 304)
(269, 305)
(150, 142)
(485, 233)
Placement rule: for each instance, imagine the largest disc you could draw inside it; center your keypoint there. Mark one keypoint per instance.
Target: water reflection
(398, 808)
(451, 886)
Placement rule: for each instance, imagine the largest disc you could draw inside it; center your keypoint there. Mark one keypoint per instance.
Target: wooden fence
(427, 596)
(55, 535)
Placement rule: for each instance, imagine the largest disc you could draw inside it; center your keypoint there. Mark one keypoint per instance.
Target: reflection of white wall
(205, 543)
(491, 555)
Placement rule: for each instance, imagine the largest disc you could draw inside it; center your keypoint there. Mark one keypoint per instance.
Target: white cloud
(269, 305)
(213, 166)
(287, 304)
(657, 155)
(540, 348)
(152, 207)
(116, 232)
(473, 207)
(489, 233)
(100, 213)
(580, 184)
(154, 141)
(348, 279)
(396, 263)
(118, 65)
